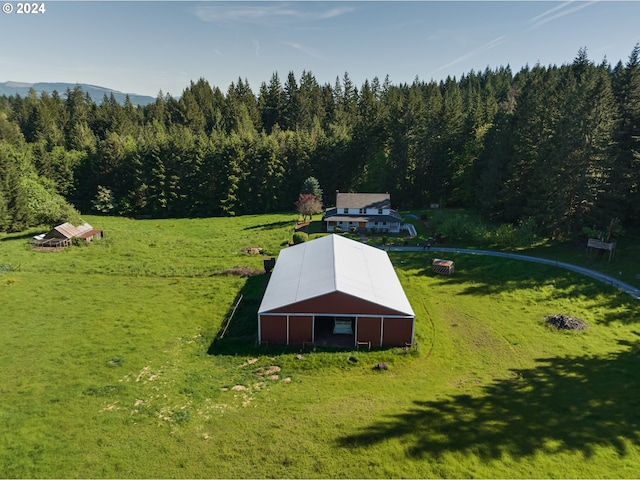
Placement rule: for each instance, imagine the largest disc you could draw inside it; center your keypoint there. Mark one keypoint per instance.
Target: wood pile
(565, 322)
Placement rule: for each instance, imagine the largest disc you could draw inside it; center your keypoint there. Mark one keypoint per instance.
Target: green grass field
(111, 366)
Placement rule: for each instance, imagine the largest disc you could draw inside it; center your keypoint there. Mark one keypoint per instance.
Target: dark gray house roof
(363, 200)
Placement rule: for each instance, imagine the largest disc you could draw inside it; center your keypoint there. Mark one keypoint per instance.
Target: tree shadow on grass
(486, 276)
(239, 335)
(570, 404)
(21, 236)
(272, 225)
(239, 331)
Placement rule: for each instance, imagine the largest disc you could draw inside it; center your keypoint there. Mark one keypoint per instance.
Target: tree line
(558, 146)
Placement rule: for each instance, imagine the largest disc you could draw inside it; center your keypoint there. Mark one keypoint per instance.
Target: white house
(362, 211)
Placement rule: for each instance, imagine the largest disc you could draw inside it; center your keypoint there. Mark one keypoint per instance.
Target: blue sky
(144, 47)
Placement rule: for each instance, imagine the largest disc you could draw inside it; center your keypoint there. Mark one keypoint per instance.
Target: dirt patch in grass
(269, 371)
(241, 271)
(251, 361)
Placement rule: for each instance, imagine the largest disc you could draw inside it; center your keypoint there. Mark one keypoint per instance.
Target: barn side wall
(300, 329)
(369, 330)
(396, 332)
(273, 329)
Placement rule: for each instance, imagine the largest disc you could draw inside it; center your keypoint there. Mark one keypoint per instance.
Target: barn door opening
(334, 331)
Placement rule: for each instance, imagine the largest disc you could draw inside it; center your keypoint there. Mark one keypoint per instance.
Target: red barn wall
(337, 303)
(273, 329)
(396, 331)
(300, 330)
(369, 330)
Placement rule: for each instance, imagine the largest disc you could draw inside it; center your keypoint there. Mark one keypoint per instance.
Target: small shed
(62, 235)
(443, 267)
(91, 235)
(68, 231)
(333, 291)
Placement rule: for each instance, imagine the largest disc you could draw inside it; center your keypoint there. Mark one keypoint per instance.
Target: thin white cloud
(303, 49)
(559, 11)
(264, 14)
(487, 46)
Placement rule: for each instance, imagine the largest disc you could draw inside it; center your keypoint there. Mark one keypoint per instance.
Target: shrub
(299, 237)
(592, 232)
(79, 242)
(181, 416)
(482, 233)
(457, 228)
(505, 236)
(511, 236)
(526, 233)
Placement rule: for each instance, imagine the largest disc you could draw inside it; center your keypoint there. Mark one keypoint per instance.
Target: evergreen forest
(558, 146)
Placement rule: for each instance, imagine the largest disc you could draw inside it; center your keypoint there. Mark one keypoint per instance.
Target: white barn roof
(334, 263)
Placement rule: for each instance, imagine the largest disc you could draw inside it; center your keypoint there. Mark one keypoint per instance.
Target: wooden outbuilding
(91, 235)
(62, 235)
(333, 291)
(443, 267)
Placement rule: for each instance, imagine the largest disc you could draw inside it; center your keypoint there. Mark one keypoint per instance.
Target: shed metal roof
(69, 231)
(334, 264)
(89, 233)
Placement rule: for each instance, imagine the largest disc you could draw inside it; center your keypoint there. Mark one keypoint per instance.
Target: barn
(333, 291)
(62, 235)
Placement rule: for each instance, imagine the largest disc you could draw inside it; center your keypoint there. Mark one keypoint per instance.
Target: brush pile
(565, 322)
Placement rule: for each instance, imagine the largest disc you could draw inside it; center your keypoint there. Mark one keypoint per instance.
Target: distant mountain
(96, 93)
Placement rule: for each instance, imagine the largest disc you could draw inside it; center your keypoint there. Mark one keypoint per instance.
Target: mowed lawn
(111, 367)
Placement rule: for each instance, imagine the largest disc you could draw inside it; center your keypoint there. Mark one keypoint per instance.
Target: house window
(362, 211)
(379, 211)
(345, 210)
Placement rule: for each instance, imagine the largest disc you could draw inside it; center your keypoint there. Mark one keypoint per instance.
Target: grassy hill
(111, 366)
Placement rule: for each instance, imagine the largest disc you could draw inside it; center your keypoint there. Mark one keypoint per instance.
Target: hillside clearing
(110, 367)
